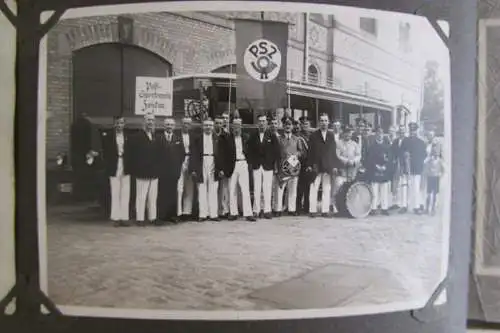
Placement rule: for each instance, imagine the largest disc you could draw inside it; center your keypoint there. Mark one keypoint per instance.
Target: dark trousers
(167, 197)
(303, 192)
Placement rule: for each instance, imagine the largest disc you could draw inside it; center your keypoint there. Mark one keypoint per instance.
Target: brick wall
(190, 45)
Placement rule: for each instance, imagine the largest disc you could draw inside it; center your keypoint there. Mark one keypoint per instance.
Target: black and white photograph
(229, 160)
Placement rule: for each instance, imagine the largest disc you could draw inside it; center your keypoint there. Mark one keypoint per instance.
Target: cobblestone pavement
(217, 266)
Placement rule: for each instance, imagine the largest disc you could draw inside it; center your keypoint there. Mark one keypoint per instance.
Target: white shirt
(120, 142)
(239, 148)
(185, 140)
(208, 146)
(150, 136)
(261, 136)
(323, 134)
(168, 136)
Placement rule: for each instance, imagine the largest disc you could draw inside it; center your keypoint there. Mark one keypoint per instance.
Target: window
(369, 25)
(404, 37)
(313, 74)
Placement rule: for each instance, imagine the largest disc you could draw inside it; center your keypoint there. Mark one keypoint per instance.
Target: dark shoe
(312, 215)
(175, 219)
(117, 224)
(215, 219)
(277, 214)
(374, 212)
(325, 215)
(201, 219)
(140, 223)
(403, 210)
(125, 223)
(384, 212)
(268, 216)
(417, 211)
(251, 219)
(395, 207)
(232, 218)
(293, 214)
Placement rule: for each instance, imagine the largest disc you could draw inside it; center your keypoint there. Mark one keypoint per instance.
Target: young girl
(433, 170)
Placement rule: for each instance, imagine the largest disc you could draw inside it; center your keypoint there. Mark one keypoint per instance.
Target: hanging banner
(153, 95)
(261, 53)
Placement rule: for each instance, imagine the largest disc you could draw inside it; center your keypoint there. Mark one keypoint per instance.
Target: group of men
(286, 171)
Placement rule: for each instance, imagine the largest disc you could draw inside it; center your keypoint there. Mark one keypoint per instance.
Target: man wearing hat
(292, 149)
(206, 166)
(185, 184)
(263, 153)
(146, 160)
(415, 148)
(236, 168)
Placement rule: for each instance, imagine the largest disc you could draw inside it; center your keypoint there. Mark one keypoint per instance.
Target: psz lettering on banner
(262, 60)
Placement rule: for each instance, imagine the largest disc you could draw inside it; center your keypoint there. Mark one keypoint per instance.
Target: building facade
(339, 64)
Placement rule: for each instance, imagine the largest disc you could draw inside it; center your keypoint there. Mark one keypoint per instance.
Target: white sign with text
(153, 95)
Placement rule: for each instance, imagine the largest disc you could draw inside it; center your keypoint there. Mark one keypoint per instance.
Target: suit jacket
(110, 153)
(265, 153)
(322, 156)
(230, 155)
(171, 155)
(398, 157)
(417, 149)
(145, 156)
(379, 156)
(196, 160)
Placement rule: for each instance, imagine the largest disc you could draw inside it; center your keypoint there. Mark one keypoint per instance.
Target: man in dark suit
(146, 160)
(263, 154)
(322, 160)
(415, 147)
(185, 184)
(221, 130)
(206, 166)
(236, 169)
(401, 171)
(171, 157)
(116, 157)
(304, 177)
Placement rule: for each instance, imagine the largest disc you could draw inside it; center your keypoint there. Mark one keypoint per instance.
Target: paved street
(272, 264)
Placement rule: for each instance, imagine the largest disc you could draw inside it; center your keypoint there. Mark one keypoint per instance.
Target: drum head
(358, 199)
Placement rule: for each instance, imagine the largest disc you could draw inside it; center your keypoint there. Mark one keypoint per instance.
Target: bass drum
(354, 199)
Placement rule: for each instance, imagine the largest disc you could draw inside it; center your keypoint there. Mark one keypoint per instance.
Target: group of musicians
(287, 170)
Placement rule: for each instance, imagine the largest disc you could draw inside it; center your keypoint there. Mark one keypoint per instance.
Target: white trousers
(185, 190)
(146, 194)
(262, 183)
(240, 177)
(381, 195)
(325, 180)
(207, 191)
(291, 188)
(402, 191)
(415, 194)
(120, 197)
(337, 182)
(224, 196)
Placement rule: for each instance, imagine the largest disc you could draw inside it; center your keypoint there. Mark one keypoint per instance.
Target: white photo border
(249, 6)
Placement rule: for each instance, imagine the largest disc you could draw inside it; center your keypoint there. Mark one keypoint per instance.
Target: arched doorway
(104, 78)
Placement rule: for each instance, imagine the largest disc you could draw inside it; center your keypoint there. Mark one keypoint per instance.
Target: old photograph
(223, 160)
